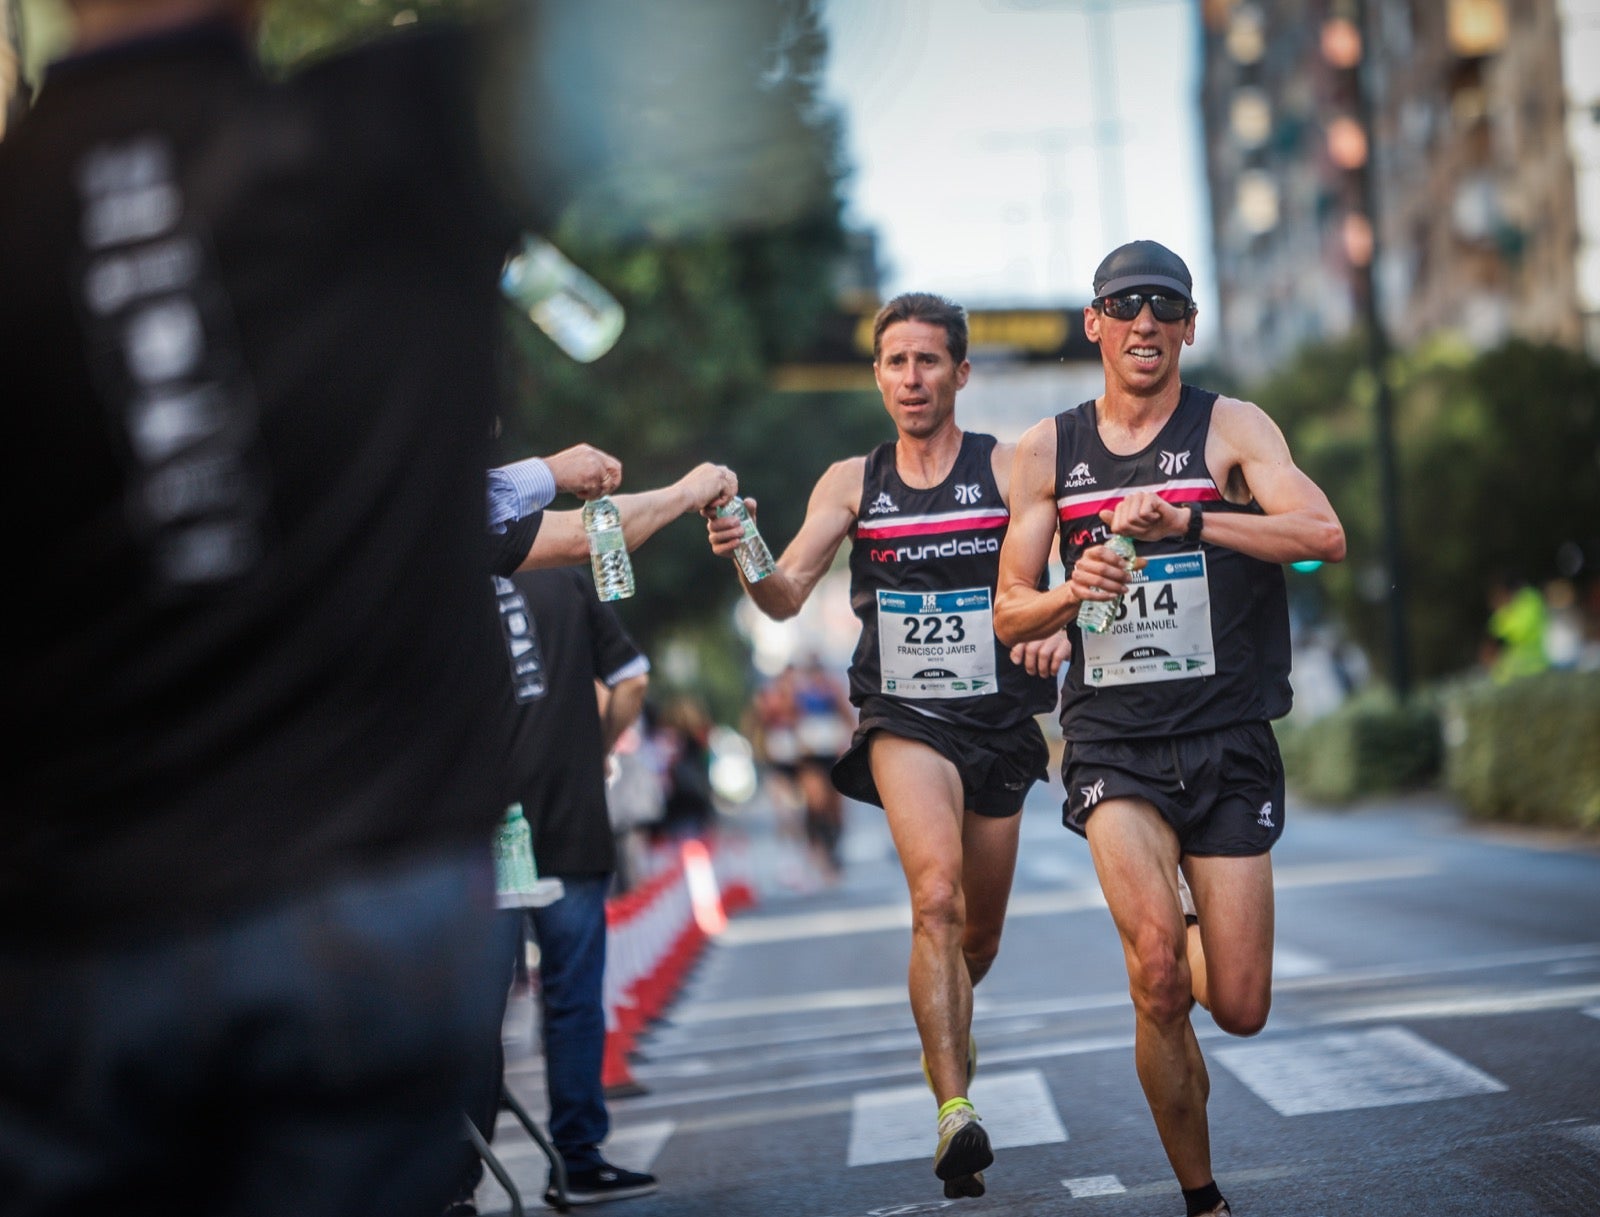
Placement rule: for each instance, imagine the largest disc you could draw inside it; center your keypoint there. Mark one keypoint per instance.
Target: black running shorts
(1222, 791)
(996, 767)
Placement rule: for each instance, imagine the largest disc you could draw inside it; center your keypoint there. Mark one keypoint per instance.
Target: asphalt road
(1434, 1046)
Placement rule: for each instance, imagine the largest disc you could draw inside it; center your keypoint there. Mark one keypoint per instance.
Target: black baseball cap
(1142, 264)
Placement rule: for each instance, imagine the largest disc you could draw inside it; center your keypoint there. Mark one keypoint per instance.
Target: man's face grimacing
(917, 377)
(1143, 351)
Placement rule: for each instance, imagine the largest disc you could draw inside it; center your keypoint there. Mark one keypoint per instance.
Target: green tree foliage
(1499, 471)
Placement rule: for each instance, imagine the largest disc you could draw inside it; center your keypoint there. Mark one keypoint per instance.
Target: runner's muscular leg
(922, 798)
(1233, 899)
(989, 861)
(1136, 857)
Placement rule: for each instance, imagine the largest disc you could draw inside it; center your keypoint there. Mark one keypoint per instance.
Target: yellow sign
(1035, 331)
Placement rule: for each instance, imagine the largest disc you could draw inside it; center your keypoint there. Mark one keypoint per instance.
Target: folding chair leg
(493, 1163)
(558, 1168)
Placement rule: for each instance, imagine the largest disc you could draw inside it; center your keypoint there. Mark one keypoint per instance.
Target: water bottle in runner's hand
(753, 556)
(608, 553)
(1096, 616)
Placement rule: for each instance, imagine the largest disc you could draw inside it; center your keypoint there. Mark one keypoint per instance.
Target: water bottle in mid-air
(608, 553)
(1096, 616)
(753, 556)
(579, 315)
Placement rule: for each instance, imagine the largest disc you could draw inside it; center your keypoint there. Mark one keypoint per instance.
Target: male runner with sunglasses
(1170, 759)
(946, 741)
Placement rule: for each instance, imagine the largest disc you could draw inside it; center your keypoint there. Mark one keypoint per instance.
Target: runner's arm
(1022, 613)
(830, 515)
(1040, 656)
(1299, 524)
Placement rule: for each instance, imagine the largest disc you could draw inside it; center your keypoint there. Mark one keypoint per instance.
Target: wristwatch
(1197, 521)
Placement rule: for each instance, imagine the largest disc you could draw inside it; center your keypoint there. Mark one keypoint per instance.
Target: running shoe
(972, 1063)
(1222, 1210)
(962, 1154)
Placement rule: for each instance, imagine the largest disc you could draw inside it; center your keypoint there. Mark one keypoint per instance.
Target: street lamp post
(1378, 360)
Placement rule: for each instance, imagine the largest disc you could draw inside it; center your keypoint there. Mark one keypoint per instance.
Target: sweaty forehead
(914, 338)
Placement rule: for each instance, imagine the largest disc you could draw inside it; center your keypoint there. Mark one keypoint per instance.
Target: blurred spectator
(1563, 635)
(635, 799)
(1515, 640)
(595, 680)
(684, 730)
(770, 720)
(824, 722)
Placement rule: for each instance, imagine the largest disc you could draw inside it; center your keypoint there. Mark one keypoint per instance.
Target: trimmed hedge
(1527, 750)
(1369, 745)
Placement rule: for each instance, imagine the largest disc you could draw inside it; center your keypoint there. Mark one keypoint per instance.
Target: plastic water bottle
(515, 871)
(753, 556)
(608, 553)
(1096, 616)
(579, 315)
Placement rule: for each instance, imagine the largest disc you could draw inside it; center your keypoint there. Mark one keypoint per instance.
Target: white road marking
(1054, 867)
(1587, 1135)
(1094, 1185)
(898, 1124)
(1346, 1070)
(834, 923)
(637, 1146)
(692, 1011)
(1287, 962)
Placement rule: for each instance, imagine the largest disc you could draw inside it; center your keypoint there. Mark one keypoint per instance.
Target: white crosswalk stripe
(1345, 1070)
(897, 1123)
(1094, 1185)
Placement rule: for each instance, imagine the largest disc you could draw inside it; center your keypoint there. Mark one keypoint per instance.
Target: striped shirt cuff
(519, 489)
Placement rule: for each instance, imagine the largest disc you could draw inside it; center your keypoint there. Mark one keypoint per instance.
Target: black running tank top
(1203, 638)
(923, 565)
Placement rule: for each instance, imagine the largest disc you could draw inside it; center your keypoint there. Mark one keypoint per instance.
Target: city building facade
(1469, 128)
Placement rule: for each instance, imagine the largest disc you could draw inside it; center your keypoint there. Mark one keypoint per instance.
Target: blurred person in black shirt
(593, 680)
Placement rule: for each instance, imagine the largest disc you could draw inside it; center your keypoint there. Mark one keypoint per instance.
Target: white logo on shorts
(1264, 816)
(1093, 794)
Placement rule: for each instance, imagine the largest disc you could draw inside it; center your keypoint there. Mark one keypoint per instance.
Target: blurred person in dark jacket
(249, 330)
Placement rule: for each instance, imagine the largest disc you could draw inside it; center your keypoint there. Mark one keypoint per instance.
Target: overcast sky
(972, 127)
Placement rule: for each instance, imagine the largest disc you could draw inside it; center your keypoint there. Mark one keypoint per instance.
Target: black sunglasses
(1126, 307)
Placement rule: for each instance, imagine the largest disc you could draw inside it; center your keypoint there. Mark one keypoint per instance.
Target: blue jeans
(309, 1059)
(572, 961)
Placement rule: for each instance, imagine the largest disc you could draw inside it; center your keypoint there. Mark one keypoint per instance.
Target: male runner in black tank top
(947, 743)
(1170, 755)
